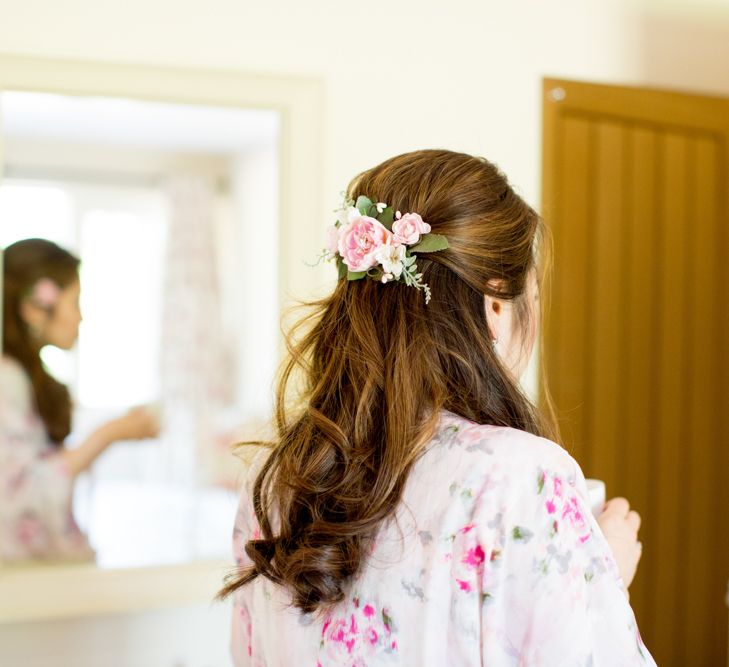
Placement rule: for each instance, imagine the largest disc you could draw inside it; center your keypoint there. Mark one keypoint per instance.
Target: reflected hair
(372, 366)
(24, 264)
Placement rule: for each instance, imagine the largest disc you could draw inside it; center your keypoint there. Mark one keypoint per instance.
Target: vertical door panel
(637, 343)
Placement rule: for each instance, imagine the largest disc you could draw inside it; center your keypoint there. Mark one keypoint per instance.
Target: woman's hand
(620, 526)
(137, 424)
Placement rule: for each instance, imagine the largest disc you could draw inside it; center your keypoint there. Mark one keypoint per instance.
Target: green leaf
(430, 243)
(387, 217)
(341, 269)
(356, 275)
(363, 205)
(521, 534)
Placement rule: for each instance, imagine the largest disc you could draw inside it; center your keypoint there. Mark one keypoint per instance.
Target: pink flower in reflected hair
(408, 228)
(358, 241)
(45, 293)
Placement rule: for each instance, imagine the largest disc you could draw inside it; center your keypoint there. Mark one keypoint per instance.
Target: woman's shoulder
(506, 448)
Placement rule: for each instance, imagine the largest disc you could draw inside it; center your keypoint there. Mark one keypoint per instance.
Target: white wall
(254, 178)
(401, 74)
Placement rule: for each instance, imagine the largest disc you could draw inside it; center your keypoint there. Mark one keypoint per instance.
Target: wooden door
(635, 190)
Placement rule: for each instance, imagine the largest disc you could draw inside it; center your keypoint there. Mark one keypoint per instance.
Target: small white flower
(381, 207)
(391, 258)
(345, 215)
(398, 215)
(342, 218)
(386, 277)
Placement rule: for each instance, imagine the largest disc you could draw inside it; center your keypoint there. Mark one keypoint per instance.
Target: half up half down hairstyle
(374, 366)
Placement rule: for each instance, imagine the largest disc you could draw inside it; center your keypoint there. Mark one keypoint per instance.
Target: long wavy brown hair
(24, 264)
(373, 366)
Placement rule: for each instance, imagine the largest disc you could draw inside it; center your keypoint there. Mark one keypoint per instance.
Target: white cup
(596, 492)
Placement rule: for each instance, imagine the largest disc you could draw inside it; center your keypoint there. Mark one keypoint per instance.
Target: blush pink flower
(46, 293)
(358, 241)
(408, 229)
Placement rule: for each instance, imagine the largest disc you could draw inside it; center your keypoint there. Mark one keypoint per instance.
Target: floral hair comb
(45, 293)
(370, 240)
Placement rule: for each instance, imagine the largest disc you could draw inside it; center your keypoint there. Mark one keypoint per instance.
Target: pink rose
(46, 293)
(408, 228)
(358, 241)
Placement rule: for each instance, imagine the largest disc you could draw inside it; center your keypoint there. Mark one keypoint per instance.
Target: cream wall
(401, 74)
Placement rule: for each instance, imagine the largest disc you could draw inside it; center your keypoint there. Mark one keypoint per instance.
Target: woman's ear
(494, 310)
(492, 304)
(498, 314)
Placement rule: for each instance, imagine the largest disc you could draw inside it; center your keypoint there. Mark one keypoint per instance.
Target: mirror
(173, 210)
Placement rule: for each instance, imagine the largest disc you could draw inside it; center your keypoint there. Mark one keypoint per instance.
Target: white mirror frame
(300, 101)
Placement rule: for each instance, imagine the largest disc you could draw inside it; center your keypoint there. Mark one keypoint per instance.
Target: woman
(41, 307)
(415, 508)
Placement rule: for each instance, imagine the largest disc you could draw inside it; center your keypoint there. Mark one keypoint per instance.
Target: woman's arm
(137, 424)
(36, 478)
(555, 592)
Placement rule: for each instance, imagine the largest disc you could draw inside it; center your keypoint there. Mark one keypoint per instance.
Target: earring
(495, 342)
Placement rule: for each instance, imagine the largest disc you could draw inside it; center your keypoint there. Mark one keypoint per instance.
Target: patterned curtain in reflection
(196, 370)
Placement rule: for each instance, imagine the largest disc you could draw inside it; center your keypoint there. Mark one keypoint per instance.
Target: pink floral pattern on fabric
(360, 633)
(493, 558)
(36, 521)
(562, 504)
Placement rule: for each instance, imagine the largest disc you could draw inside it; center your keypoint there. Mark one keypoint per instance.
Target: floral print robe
(35, 486)
(493, 559)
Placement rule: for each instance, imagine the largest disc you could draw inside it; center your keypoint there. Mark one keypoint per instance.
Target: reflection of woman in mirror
(41, 307)
(414, 507)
